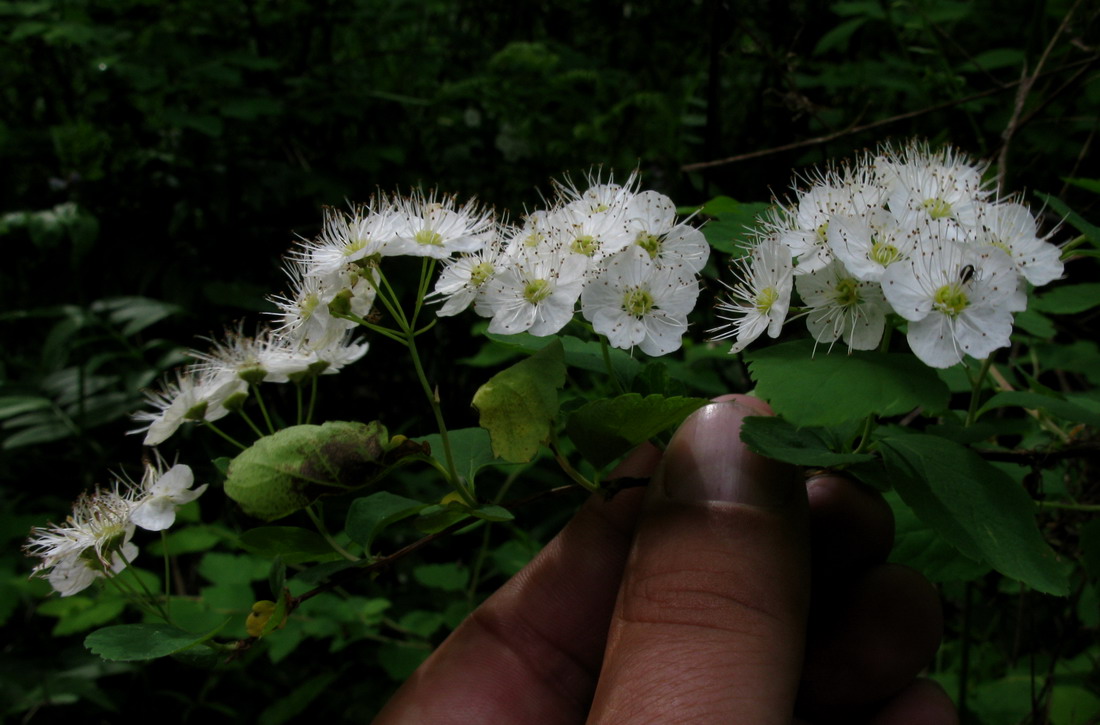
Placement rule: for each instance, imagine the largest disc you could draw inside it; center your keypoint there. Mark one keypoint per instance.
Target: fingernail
(706, 461)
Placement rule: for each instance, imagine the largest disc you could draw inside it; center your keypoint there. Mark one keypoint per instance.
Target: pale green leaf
(518, 404)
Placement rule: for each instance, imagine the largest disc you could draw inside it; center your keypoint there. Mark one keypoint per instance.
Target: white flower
(760, 297)
(1011, 227)
(347, 238)
(925, 185)
(842, 306)
(868, 244)
(307, 319)
(464, 279)
(958, 298)
(536, 293)
(651, 222)
(196, 395)
(161, 493)
(598, 197)
(438, 228)
(632, 302)
(95, 542)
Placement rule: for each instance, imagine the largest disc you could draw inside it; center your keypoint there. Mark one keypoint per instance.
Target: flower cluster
(95, 540)
(910, 231)
(617, 251)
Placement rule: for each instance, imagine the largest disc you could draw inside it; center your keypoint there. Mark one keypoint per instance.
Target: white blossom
(760, 297)
(634, 302)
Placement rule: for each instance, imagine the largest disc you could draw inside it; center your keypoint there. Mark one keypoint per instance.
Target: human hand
(728, 591)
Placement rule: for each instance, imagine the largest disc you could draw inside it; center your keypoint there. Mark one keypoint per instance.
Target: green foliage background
(156, 160)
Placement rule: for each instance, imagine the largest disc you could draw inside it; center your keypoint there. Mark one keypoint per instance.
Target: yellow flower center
(429, 237)
(950, 299)
(883, 253)
(637, 302)
(481, 273)
(651, 243)
(586, 245)
(937, 208)
(847, 293)
(536, 291)
(765, 299)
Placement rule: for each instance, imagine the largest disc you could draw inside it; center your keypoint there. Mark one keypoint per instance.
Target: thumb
(709, 625)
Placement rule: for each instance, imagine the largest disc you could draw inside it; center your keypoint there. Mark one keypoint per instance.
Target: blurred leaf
(1073, 218)
(297, 701)
(16, 404)
(134, 314)
(1069, 299)
(839, 37)
(1055, 406)
(1092, 185)
(291, 544)
(450, 577)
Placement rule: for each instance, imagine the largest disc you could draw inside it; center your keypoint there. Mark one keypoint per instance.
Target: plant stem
(433, 400)
(323, 531)
(263, 408)
(251, 424)
(567, 467)
(223, 434)
(976, 389)
(607, 362)
(1083, 507)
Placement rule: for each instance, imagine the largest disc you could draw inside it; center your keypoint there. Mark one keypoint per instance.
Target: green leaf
(37, 434)
(1054, 406)
(1092, 185)
(839, 36)
(131, 642)
(370, 515)
(471, 448)
(779, 439)
(518, 404)
(297, 701)
(1075, 220)
(189, 541)
(134, 314)
(975, 506)
(920, 547)
(1033, 323)
(729, 229)
(401, 660)
(17, 404)
(284, 472)
(994, 59)
(492, 512)
(827, 389)
(1090, 548)
(583, 354)
(1069, 299)
(292, 544)
(449, 577)
(77, 614)
(605, 429)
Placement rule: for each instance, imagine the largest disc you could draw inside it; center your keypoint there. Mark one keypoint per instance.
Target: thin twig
(851, 130)
(1025, 84)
